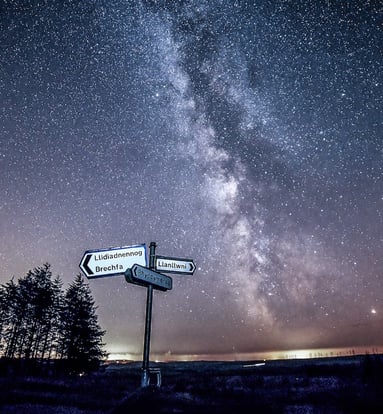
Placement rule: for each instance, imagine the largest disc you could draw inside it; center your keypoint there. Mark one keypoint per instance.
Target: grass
(336, 385)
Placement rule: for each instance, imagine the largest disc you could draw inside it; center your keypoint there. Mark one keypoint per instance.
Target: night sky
(245, 135)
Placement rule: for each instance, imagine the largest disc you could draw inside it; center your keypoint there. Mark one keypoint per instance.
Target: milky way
(245, 135)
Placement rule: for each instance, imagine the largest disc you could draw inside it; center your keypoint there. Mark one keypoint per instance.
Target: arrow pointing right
(175, 265)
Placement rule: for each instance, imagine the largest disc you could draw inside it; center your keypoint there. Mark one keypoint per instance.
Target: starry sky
(245, 135)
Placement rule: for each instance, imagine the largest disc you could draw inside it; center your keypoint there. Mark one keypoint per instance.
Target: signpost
(175, 265)
(143, 276)
(131, 261)
(113, 261)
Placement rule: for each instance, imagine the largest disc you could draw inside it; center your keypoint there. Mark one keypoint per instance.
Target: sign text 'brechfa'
(113, 261)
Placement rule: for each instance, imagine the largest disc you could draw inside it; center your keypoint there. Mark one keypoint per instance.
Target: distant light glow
(254, 356)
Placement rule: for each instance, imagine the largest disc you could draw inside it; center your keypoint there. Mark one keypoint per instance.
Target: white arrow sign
(175, 265)
(113, 261)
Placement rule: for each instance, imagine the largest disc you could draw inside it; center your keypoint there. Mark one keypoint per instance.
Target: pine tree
(81, 335)
(50, 346)
(39, 321)
(40, 303)
(27, 308)
(14, 312)
(4, 317)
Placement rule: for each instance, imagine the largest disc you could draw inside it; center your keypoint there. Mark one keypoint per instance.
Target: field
(329, 385)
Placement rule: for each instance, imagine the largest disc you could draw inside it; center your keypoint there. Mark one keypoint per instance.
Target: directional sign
(143, 276)
(113, 261)
(174, 265)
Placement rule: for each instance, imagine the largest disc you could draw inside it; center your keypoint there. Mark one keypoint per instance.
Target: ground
(328, 385)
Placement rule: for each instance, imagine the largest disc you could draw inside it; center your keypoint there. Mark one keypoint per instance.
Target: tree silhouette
(81, 334)
(26, 309)
(39, 293)
(39, 321)
(52, 334)
(14, 311)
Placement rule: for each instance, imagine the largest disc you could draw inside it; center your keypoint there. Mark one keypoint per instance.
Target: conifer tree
(40, 321)
(14, 313)
(40, 298)
(50, 345)
(81, 335)
(26, 309)
(4, 317)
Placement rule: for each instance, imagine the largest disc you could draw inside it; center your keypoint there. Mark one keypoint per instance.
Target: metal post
(148, 320)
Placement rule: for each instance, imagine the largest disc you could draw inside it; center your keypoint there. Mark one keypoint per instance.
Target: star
(244, 136)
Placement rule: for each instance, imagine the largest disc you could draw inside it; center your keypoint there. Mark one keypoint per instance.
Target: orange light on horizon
(267, 355)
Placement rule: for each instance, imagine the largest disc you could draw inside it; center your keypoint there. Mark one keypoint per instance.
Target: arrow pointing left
(113, 261)
(85, 265)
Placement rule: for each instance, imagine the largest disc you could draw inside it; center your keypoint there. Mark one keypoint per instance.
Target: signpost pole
(148, 320)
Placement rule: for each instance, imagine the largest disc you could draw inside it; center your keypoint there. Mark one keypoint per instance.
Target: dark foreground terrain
(329, 385)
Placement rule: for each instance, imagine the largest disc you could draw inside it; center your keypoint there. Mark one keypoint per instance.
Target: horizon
(257, 356)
